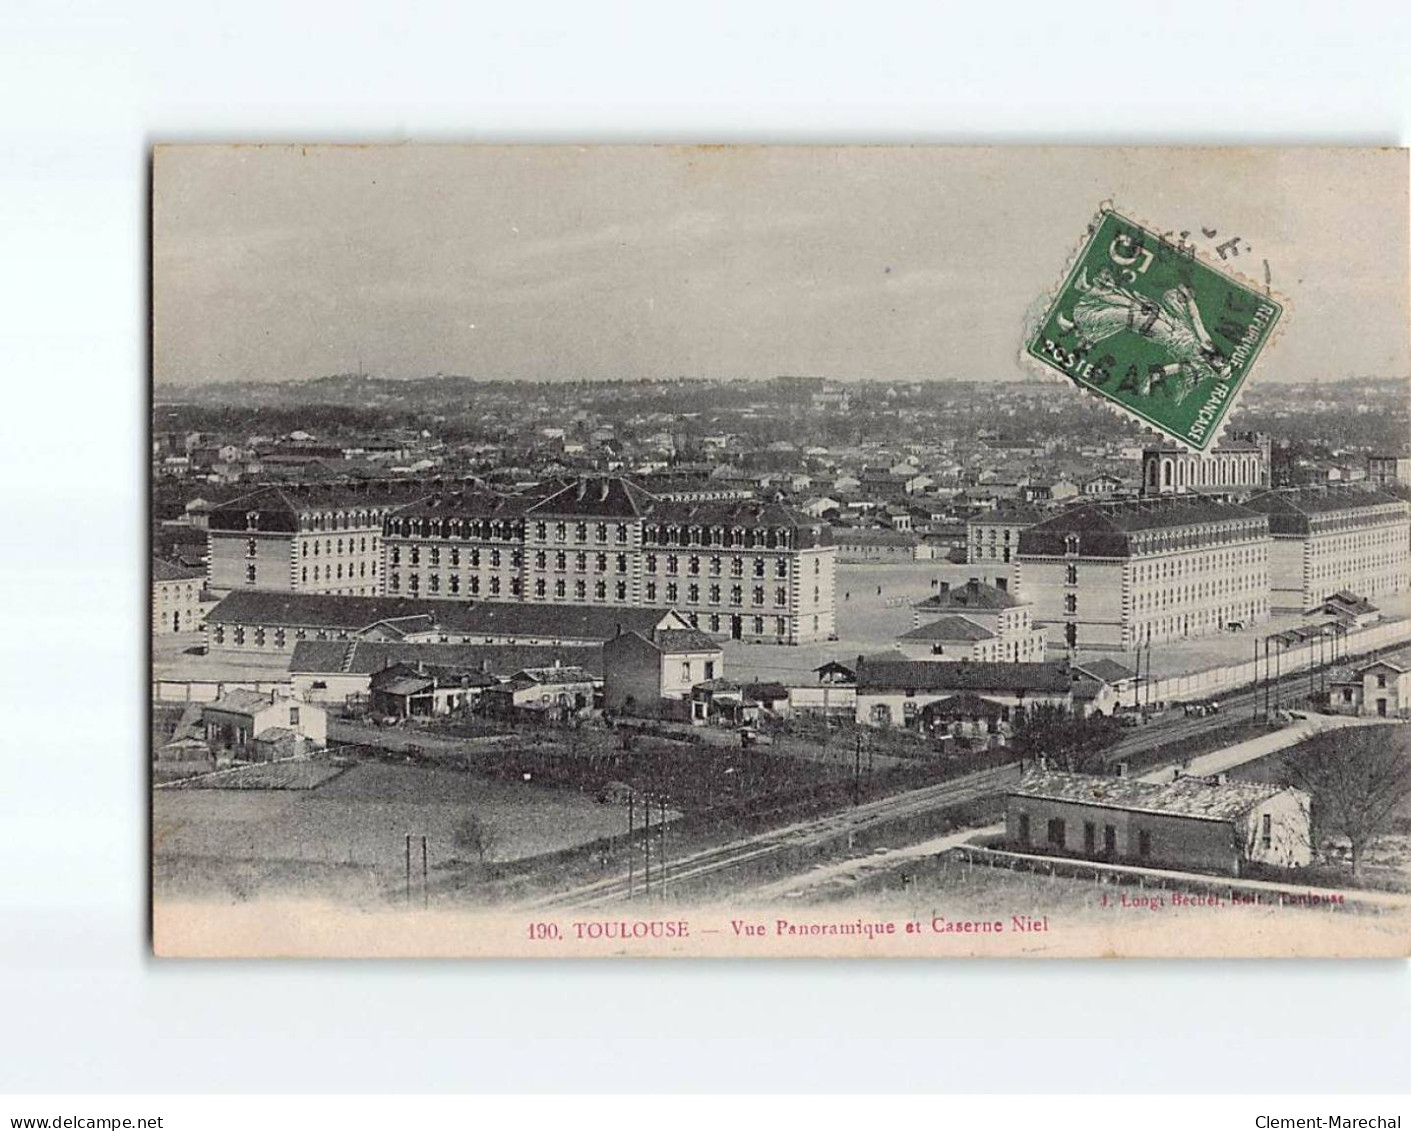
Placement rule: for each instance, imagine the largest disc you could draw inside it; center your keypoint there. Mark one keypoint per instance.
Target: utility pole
(409, 868)
(647, 845)
(425, 895)
(857, 771)
(661, 857)
(1254, 705)
(631, 848)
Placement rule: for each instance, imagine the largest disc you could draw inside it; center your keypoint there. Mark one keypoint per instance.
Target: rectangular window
(686, 671)
(1109, 840)
(1266, 830)
(1144, 844)
(293, 716)
(1024, 829)
(1089, 838)
(1057, 832)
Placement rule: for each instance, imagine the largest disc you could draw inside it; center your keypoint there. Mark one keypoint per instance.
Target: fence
(209, 690)
(1280, 661)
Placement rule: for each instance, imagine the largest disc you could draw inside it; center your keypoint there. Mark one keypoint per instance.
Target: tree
(1357, 779)
(1068, 741)
(474, 835)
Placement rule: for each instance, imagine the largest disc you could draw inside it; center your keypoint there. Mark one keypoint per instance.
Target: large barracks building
(1129, 574)
(745, 569)
(737, 568)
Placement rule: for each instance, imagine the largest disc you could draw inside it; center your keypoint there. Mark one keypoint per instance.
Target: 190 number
(538, 932)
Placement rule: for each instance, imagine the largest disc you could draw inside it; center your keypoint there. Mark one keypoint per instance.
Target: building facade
(743, 569)
(303, 539)
(1238, 464)
(1125, 574)
(991, 538)
(1190, 822)
(176, 598)
(1389, 470)
(1327, 539)
(975, 621)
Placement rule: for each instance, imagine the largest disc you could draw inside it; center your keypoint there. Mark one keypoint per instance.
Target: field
(350, 832)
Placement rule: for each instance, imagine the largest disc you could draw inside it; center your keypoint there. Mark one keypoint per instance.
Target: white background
(85, 89)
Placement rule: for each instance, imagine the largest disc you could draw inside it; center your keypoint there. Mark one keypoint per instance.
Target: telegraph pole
(409, 868)
(647, 846)
(661, 856)
(425, 896)
(857, 771)
(631, 849)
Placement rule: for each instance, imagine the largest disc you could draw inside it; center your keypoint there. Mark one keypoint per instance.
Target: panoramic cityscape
(896, 618)
(574, 645)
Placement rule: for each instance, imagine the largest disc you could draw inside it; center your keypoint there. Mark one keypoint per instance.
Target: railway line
(759, 848)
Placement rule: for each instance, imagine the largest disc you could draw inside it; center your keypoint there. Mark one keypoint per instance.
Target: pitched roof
(966, 705)
(1104, 669)
(1193, 797)
(1052, 677)
(366, 657)
(166, 571)
(611, 497)
(677, 640)
(553, 675)
(974, 594)
(1109, 530)
(462, 618)
(949, 628)
(1294, 510)
(241, 701)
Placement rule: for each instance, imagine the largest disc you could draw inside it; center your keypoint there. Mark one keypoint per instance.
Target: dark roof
(612, 497)
(326, 610)
(949, 628)
(675, 640)
(966, 705)
(1109, 530)
(280, 506)
(166, 571)
(1194, 797)
(1104, 669)
(474, 503)
(463, 618)
(364, 657)
(1293, 510)
(974, 594)
(809, 532)
(884, 675)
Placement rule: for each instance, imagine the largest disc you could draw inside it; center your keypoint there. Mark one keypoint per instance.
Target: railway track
(760, 847)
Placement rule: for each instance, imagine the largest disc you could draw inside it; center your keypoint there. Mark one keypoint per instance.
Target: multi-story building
(744, 569)
(303, 539)
(1389, 470)
(462, 545)
(1125, 574)
(974, 621)
(1327, 539)
(176, 598)
(994, 537)
(1238, 464)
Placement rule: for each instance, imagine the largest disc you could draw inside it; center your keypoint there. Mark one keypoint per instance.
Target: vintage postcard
(919, 552)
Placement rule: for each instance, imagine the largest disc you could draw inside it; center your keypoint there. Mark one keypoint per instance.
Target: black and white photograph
(671, 551)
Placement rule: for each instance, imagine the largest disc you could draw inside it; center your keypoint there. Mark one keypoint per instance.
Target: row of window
(332, 572)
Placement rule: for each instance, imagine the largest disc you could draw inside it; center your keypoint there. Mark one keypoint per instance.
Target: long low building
(1190, 822)
(898, 692)
(255, 621)
(329, 671)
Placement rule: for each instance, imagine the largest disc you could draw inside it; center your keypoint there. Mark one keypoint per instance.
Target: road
(760, 847)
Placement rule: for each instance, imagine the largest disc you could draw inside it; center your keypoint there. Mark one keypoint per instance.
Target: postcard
(780, 551)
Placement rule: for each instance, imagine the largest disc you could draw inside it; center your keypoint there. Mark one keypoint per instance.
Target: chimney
(1121, 769)
(1002, 584)
(1222, 779)
(973, 582)
(945, 586)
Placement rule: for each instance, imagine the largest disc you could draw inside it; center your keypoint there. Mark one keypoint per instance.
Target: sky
(563, 263)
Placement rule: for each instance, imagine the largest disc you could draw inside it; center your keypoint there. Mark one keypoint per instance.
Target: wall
(1178, 841)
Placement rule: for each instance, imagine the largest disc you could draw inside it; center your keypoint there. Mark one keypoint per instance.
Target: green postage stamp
(1144, 324)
